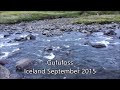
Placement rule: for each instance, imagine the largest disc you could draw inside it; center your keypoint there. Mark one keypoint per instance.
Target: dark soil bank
(58, 49)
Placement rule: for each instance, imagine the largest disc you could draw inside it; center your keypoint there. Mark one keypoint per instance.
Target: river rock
(23, 64)
(98, 45)
(4, 72)
(3, 62)
(48, 49)
(6, 35)
(28, 37)
(95, 45)
(109, 32)
(20, 39)
(45, 32)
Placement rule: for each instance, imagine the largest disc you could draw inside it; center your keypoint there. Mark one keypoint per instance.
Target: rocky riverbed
(58, 49)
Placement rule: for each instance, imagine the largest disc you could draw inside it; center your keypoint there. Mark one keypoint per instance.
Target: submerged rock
(23, 64)
(48, 49)
(6, 35)
(4, 72)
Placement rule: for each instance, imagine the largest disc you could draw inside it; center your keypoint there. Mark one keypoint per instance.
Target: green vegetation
(101, 19)
(18, 16)
(87, 17)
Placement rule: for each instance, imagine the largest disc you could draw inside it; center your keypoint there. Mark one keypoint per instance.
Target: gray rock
(95, 45)
(4, 72)
(20, 39)
(3, 62)
(28, 37)
(6, 35)
(23, 64)
(98, 45)
(87, 43)
(48, 49)
(45, 32)
(109, 32)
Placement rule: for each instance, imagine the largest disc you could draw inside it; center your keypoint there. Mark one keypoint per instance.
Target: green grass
(101, 19)
(18, 16)
(87, 17)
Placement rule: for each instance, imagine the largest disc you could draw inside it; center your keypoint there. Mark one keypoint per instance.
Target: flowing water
(68, 47)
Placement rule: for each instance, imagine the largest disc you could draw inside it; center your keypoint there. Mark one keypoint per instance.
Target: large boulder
(24, 64)
(4, 72)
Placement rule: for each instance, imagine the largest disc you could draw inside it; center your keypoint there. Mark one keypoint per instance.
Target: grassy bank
(18, 16)
(87, 17)
(101, 19)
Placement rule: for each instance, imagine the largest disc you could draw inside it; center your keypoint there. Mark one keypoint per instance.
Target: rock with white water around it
(48, 49)
(28, 37)
(95, 45)
(24, 64)
(50, 56)
(4, 72)
(98, 45)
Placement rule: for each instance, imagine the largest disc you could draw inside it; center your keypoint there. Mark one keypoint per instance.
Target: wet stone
(3, 62)
(23, 64)
(98, 45)
(95, 45)
(6, 35)
(109, 32)
(20, 39)
(28, 37)
(4, 72)
(48, 49)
